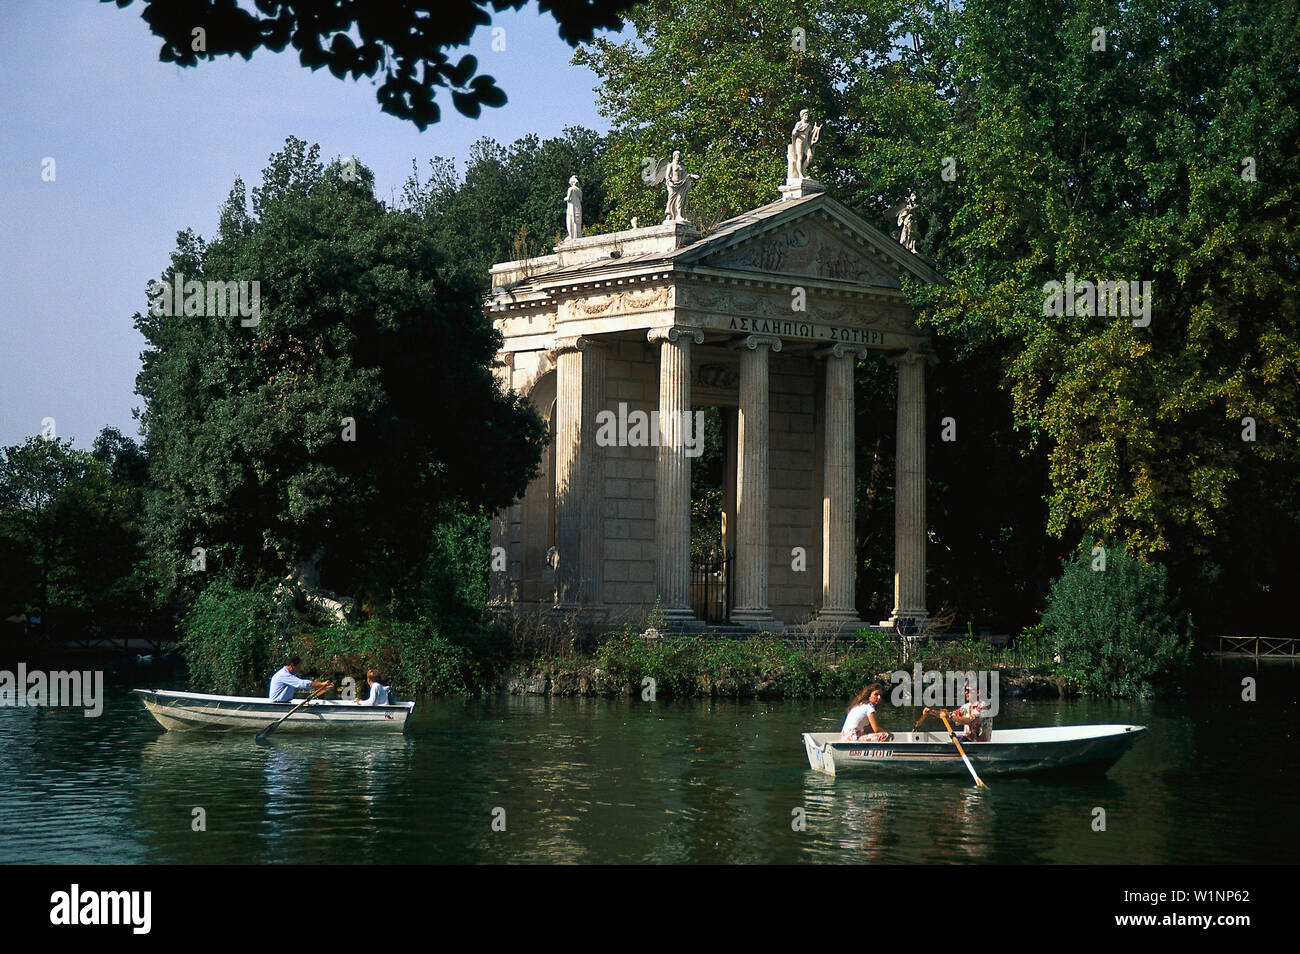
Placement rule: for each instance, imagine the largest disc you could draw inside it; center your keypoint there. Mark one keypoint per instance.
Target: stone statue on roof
(679, 182)
(799, 153)
(573, 209)
(907, 223)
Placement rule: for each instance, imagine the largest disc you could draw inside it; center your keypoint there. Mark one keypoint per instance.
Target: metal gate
(711, 586)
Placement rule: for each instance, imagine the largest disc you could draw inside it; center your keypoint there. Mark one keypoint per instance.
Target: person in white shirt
(860, 725)
(285, 682)
(380, 695)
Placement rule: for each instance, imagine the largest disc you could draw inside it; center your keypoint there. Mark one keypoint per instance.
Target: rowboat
(196, 710)
(1082, 748)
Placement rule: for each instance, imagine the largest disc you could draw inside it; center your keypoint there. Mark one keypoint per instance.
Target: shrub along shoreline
(1111, 629)
(235, 639)
(766, 667)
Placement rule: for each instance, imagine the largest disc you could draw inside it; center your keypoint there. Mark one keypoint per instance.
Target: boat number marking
(870, 753)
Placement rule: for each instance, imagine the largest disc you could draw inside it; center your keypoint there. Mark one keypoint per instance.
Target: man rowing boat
(284, 683)
(973, 715)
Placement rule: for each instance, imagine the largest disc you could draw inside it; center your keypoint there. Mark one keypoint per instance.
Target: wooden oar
(261, 736)
(953, 735)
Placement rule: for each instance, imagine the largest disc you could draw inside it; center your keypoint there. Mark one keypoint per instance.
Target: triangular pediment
(804, 250)
(812, 238)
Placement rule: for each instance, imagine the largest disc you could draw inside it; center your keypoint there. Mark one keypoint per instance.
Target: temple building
(618, 339)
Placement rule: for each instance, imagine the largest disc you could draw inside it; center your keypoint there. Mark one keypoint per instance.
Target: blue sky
(144, 149)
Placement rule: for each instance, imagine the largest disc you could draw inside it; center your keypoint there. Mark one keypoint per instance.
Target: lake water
(620, 780)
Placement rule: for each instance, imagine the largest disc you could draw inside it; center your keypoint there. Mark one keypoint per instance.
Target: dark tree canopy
(70, 538)
(347, 420)
(509, 203)
(403, 41)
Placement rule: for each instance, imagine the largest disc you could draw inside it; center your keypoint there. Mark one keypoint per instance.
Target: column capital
(754, 342)
(912, 357)
(571, 343)
(505, 359)
(841, 350)
(673, 332)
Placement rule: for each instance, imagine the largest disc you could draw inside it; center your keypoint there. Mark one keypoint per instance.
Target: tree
(69, 522)
(510, 202)
(1128, 164)
(354, 414)
(1115, 624)
(403, 41)
(724, 85)
(33, 479)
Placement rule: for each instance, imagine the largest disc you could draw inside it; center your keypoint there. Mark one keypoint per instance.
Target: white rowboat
(196, 710)
(1083, 748)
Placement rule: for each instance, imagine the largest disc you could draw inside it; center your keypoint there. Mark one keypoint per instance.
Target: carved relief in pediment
(804, 250)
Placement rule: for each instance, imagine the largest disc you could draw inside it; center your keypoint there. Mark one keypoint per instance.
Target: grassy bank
(1119, 633)
(759, 666)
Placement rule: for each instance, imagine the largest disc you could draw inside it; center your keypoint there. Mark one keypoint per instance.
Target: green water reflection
(619, 780)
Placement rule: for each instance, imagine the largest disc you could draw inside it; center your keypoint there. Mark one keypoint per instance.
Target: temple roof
(812, 238)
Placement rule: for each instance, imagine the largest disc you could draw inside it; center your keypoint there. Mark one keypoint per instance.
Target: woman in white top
(860, 725)
(380, 695)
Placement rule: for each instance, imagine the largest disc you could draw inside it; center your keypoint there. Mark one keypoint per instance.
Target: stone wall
(631, 377)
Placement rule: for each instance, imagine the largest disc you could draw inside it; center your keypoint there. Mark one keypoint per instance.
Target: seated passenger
(860, 725)
(380, 695)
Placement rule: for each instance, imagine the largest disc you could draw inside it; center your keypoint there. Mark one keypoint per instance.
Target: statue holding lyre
(799, 153)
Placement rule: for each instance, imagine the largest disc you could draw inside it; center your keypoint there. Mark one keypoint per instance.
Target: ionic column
(499, 589)
(568, 499)
(909, 499)
(753, 494)
(579, 484)
(591, 474)
(673, 473)
(839, 492)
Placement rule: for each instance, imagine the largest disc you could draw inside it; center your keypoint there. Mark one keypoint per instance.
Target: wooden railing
(1259, 646)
